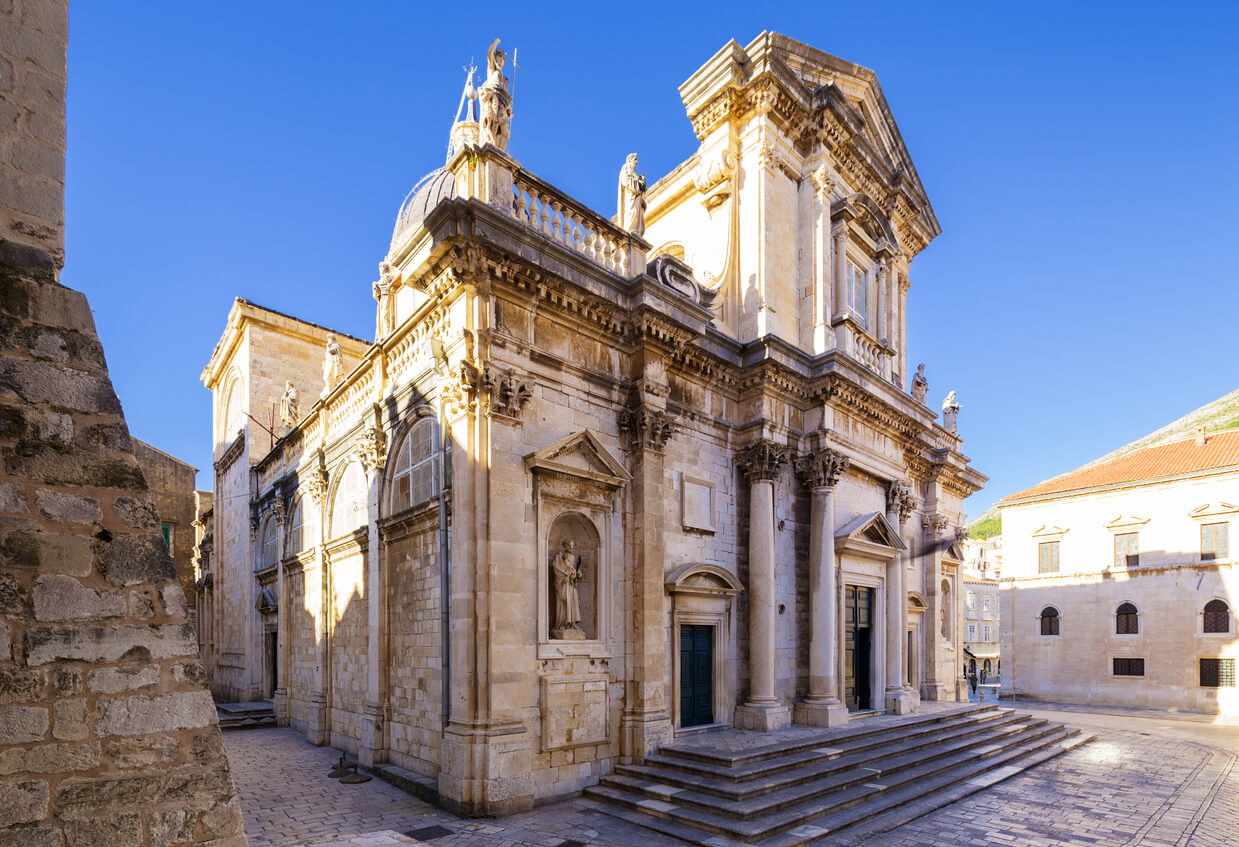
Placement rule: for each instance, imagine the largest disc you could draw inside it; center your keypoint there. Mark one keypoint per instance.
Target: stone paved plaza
(1149, 779)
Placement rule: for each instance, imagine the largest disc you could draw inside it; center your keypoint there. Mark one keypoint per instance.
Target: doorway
(696, 675)
(857, 647)
(273, 658)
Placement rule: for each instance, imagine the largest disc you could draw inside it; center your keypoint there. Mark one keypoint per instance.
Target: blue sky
(1079, 157)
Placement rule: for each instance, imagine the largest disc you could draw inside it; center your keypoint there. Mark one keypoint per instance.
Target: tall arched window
(1050, 621)
(1127, 620)
(413, 476)
(296, 530)
(1217, 616)
(270, 544)
(348, 509)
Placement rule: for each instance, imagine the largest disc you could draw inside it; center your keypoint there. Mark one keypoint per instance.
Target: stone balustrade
(862, 348)
(541, 207)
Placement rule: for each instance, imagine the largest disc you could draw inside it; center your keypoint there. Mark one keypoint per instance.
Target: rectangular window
(167, 537)
(987, 600)
(972, 601)
(856, 293)
(1047, 558)
(972, 632)
(1126, 550)
(988, 632)
(1129, 667)
(1217, 673)
(1214, 541)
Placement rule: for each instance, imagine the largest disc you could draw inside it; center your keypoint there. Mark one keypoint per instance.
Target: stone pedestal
(373, 747)
(486, 771)
(279, 704)
(823, 713)
(318, 721)
(762, 717)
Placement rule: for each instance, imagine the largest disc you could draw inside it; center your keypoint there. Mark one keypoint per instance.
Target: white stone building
(597, 483)
(1119, 583)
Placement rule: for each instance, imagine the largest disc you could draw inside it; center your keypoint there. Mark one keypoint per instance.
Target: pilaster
(899, 698)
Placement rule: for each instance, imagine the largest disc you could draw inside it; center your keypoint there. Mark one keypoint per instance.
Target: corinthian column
(762, 711)
(899, 699)
(822, 707)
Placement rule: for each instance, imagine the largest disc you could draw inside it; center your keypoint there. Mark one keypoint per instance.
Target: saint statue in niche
(332, 360)
(920, 385)
(290, 405)
(566, 573)
(631, 212)
(495, 100)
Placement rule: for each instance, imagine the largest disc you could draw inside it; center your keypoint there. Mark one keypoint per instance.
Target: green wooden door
(696, 675)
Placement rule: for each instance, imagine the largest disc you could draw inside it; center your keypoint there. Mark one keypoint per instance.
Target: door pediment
(869, 535)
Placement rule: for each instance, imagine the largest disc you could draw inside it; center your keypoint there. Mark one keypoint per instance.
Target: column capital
(839, 230)
(899, 499)
(762, 460)
(821, 468)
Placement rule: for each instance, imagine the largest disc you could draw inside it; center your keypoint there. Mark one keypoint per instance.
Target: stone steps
(808, 792)
(245, 715)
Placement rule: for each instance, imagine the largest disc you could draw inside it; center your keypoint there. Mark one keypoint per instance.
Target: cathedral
(600, 481)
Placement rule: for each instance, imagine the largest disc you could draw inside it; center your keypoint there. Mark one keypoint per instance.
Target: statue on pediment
(565, 574)
(950, 411)
(290, 405)
(631, 212)
(920, 386)
(333, 360)
(495, 100)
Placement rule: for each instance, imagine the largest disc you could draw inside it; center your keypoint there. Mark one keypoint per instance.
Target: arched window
(296, 530)
(1127, 620)
(1217, 616)
(1049, 621)
(270, 544)
(413, 477)
(348, 509)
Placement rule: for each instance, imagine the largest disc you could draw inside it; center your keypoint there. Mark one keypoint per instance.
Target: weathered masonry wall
(107, 733)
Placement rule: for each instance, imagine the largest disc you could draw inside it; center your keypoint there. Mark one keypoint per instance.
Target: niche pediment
(582, 458)
(702, 578)
(869, 535)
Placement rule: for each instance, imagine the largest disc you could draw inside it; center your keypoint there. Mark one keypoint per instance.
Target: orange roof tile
(1174, 458)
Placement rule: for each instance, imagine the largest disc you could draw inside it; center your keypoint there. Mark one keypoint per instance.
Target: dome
(432, 189)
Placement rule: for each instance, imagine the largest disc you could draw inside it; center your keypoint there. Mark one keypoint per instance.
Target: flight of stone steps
(245, 715)
(870, 775)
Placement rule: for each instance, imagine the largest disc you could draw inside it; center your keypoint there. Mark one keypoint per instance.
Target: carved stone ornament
(762, 460)
(315, 483)
(372, 448)
(961, 534)
(646, 428)
(461, 389)
(678, 276)
(495, 100)
(935, 524)
(277, 510)
(508, 392)
(899, 499)
(821, 469)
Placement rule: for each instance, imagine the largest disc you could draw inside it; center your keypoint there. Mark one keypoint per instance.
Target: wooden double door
(857, 647)
(696, 675)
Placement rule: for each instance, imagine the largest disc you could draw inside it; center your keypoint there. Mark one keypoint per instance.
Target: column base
(762, 717)
(900, 701)
(826, 713)
(962, 690)
(933, 691)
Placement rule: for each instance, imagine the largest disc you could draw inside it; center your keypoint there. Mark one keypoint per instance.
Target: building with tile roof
(1119, 583)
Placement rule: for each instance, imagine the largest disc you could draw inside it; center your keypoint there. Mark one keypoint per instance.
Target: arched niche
(578, 531)
(701, 596)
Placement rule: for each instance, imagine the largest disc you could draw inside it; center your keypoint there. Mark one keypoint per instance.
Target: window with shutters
(167, 537)
(270, 540)
(972, 632)
(1127, 620)
(987, 631)
(1050, 621)
(1126, 550)
(857, 294)
(972, 600)
(1047, 557)
(413, 479)
(1217, 616)
(296, 530)
(1217, 673)
(1214, 541)
(1129, 667)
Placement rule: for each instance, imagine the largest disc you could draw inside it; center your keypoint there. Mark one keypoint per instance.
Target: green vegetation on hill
(985, 527)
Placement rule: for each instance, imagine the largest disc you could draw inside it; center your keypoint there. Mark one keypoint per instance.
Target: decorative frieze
(646, 428)
(762, 460)
(821, 468)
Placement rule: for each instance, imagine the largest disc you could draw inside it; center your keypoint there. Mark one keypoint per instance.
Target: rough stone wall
(107, 732)
(33, 34)
(171, 484)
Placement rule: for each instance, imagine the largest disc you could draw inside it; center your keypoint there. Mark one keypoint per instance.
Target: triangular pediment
(583, 456)
(1209, 510)
(1127, 522)
(870, 534)
(1049, 531)
(954, 553)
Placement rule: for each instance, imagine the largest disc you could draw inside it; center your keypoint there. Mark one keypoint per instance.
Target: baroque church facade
(598, 482)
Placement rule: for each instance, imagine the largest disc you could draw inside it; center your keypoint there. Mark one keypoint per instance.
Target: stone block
(6, 643)
(55, 464)
(130, 559)
(224, 819)
(116, 680)
(13, 499)
(41, 382)
(141, 751)
(13, 595)
(141, 606)
(91, 794)
(70, 720)
(95, 643)
(136, 512)
(138, 715)
(67, 507)
(174, 600)
(170, 826)
(31, 836)
(65, 553)
(22, 724)
(53, 347)
(117, 829)
(23, 802)
(208, 745)
(50, 758)
(189, 673)
(58, 598)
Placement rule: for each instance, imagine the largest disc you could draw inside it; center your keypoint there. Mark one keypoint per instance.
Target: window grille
(1049, 621)
(1217, 673)
(1129, 667)
(1127, 620)
(1217, 616)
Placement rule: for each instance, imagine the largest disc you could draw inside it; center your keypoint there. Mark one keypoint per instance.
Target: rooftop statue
(290, 405)
(950, 409)
(332, 361)
(920, 386)
(631, 212)
(496, 100)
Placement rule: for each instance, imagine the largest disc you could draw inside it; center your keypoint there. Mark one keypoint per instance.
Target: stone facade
(981, 625)
(584, 493)
(171, 485)
(1075, 555)
(107, 732)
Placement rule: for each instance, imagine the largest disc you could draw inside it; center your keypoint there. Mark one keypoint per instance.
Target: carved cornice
(821, 468)
(772, 376)
(852, 398)
(231, 454)
(899, 499)
(762, 460)
(645, 428)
